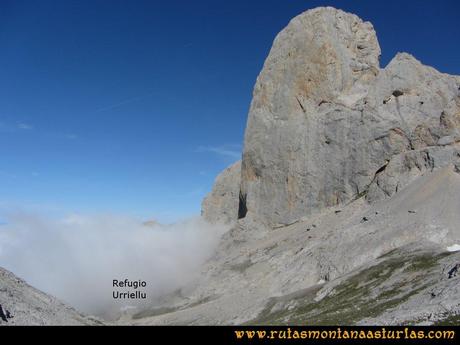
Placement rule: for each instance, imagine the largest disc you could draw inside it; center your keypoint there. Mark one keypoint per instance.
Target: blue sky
(133, 107)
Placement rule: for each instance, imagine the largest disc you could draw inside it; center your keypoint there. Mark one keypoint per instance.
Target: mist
(76, 258)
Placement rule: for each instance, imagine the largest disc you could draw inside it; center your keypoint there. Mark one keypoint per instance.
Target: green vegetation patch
(366, 294)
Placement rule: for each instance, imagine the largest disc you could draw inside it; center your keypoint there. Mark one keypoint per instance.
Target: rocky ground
(405, 286)
(332, 266)
(21, 304)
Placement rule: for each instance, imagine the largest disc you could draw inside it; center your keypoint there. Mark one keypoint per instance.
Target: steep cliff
(327, 125)
(221, 204)
(349, 189)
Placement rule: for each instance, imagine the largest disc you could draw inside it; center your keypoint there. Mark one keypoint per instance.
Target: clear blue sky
(134, 106)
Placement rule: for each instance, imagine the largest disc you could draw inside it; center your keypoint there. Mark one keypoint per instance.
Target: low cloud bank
(77, 258)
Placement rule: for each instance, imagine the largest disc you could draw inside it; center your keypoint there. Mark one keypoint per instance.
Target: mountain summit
(347, 192)
(328, 125)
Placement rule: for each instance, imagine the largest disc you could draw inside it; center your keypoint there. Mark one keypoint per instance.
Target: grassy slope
(367, 293)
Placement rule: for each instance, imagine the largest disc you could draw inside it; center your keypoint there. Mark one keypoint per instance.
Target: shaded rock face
(327, 125)
(221, 205)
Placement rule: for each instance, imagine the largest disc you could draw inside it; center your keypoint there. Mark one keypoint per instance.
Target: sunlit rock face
(326, 122)
(345, 205)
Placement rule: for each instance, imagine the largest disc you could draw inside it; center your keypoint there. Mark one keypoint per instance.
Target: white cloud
(25, 126)
(77, 257)
(125, 102)
(230, 151)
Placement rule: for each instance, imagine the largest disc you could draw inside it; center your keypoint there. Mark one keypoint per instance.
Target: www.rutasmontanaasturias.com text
(133, 284)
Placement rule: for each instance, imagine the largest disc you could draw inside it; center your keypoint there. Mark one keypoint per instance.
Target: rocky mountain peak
(321, 55)
(327, 125)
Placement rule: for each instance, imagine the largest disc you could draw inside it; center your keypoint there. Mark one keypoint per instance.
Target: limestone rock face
(326, 127)
(221, 205)
(418, 126)
(326, 122)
